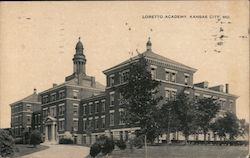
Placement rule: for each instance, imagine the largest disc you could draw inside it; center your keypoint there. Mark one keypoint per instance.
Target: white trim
(124, 129)
(186, 92)
(170, 89)
(186, 74)
(45, 108)
(103, 116)
(197, 94)
(113, 92)
(153, 66)
(53, 93)
(90, 103)
(206, 96)
(97, 102)
(84, 104)
(96, 117)
(111, 111)
(90, 118)
(112, 75)
(84, 119)
(75, 90)
(61, 104)
(121, 109)
(75, 119)
(170, 70)
(61, 119)
(61, 91)
(222, 99)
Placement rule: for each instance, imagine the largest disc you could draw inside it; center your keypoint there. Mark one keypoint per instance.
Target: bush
(65, 141)
(121, 144)
(18, 141)
(35, 138)
(95, 149)
(107, 144)
(6, 144)
(138, 142)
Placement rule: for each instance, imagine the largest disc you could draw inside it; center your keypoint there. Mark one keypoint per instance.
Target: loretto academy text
(185, 16)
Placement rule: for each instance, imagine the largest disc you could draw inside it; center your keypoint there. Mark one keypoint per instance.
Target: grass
(185, 151)
(22, 150)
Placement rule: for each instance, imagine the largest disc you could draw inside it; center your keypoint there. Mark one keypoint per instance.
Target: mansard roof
(155, 57)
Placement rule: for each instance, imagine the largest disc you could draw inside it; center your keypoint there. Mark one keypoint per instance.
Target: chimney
(227, 88)
(34, 90)
(54, 84)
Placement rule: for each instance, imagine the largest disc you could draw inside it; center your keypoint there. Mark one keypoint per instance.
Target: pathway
(60, 151)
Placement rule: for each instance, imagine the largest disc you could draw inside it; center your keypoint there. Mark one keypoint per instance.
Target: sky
(37, 41)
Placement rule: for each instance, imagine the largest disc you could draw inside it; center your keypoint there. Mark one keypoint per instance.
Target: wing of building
(87, 109)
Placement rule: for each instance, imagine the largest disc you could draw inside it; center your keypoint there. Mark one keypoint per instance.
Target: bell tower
(79, 60)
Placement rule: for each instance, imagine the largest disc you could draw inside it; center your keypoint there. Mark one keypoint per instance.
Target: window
(28, 106)
(122, 115)
(75, 94)
(45, 112)
(167, 76)
(61, 109)
(167, 95)
(112, 119)
(103, 122)
(75, 124)
(53, 96)
(53, 111)
(111, 80)
(96, 107)
(103, 105)
(153, 72)
(173, 95)
(90, 108)
(91, 122)
(28, 118)
(123, 76)
(84, 109)
(186, 79)
(84, 124)
(96, 123)
(61, 94)
(75, 110)
(112, 98)
(61, 125)
(173, 77)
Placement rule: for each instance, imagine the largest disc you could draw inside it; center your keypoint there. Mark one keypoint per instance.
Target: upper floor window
(90, 108)
(97, 107)
(75, 94)
(170, 94)
(111, 119)
(53, 96)
(111, 80)
(173, 77)
(186, 80)
(123, 76)
(167, 76)
(28, 107)
(75, 125)
(61, 125)
(122, 115)
(112, 98)
(103, 122)
(103, 105)
(61, 109)
(61, 94)
(53, 111)
(153, 71)
(170, 75)
(84, 109)
(75, 110)
(84, 124)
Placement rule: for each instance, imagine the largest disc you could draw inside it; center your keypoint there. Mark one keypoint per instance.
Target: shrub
(35, 138)
(65, 141)
(138, 142)
(121, 144)
(107, 144)
(95, 149)
(6, 144)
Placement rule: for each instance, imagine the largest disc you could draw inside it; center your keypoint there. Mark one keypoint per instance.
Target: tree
(95, 149)
(206, 111)
(243, 127)
(140, 98)
(168, 119)
(35, 138)
(185, 112)
(6, 144)
(228, 124)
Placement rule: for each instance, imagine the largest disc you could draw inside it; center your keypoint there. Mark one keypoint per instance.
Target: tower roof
(79, 45)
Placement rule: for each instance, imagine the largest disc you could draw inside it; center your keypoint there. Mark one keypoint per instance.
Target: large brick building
(87, 109)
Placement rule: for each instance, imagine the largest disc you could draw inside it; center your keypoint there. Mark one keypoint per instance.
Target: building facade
(86, 109)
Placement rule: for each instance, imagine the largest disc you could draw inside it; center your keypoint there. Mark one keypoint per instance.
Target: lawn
(187, 151)
(22, 150)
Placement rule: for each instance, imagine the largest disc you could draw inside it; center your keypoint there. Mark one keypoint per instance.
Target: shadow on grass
(22, 150)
